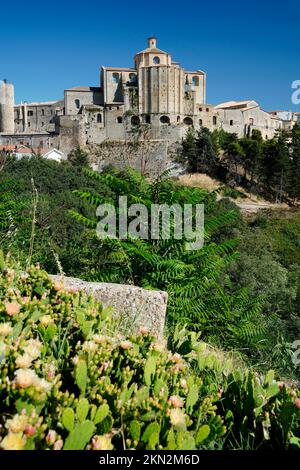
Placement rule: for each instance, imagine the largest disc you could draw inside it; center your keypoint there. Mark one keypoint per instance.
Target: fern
(200, 296)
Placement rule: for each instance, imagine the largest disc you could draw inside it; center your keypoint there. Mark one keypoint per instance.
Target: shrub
(70, 380)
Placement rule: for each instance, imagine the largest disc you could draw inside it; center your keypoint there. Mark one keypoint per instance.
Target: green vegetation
(71, 380)
(241, 290)
(233, 309)
(267, 167)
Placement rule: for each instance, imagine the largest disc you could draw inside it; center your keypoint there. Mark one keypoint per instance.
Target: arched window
(77, 104)
(147, 119)
(200, 109)
(214, 120)
(132, 77)
(115, 77)
(156, 60)
(119, 119)
(165, 119)
(135, 121)
(188, 121)
(178, 118)
(200, 122)
(99, 118)
(195, 81)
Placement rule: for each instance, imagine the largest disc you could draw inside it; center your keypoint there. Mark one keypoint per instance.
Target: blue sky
(249, 49)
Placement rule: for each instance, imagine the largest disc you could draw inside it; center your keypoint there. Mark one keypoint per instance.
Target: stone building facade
(155, 101)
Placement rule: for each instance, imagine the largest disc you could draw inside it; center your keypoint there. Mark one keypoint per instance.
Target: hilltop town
(155, 101)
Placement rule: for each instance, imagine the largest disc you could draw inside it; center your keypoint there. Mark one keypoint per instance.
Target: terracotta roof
(277, 111)
(23, 149)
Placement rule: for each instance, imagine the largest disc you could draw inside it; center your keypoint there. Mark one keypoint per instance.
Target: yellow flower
(17, 424)
(126, 344)
(177, 417)
(183, 383)
(46, 320)
(89, 346)
(33, 348)
(42, 385)
(175, 401)
(24, 361)
(5, 329)
(176, 358)
(102, 442)
(25, 377)
(13, 441)
(12, 308)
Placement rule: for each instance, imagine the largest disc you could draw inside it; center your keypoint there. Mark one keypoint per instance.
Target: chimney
(152, 42)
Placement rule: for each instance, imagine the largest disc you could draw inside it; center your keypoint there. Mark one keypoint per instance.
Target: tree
(206, 159)
(294, 167)
(252, 148)
(188, 155)
(275, 164)
(233, 154)
(78, 157)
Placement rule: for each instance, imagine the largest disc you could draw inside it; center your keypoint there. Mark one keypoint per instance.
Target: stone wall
(6, 108)
(150, 156)
(35, 141)
(135, 306)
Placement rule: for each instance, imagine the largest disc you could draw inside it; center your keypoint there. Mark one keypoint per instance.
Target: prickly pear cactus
(80, 436)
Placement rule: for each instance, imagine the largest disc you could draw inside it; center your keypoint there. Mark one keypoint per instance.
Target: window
(119, 119)
(214, 120)
(156, 60)
(147, 119)
(200, 122)
(29, 124)
(178, 118)
(99, 118)
(115, 77)
(267, 137)
(135, 121)
(43, 124)
(195, 81)
(200, 109)
(165, 120)
(188, 121)
(29, 113)
(77, 104)
(132, 77)
(251, 121)
(207, 110)
(231, 122)
(43, 112)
